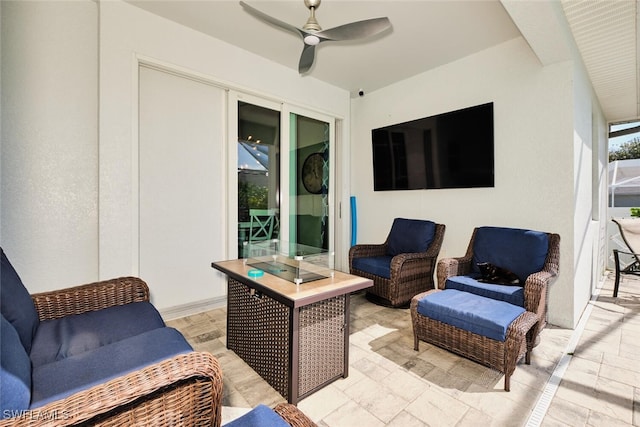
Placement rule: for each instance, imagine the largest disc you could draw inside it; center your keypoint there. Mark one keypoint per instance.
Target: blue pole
(354, 221)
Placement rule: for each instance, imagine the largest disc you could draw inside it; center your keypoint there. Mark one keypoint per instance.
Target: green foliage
(252, 196)
(635, 212)
(627, 150)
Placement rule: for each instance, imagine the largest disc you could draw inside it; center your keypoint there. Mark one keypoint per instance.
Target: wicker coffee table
(296, 337)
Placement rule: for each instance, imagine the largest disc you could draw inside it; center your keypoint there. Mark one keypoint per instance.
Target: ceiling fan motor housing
(312, 3)
(312, 24)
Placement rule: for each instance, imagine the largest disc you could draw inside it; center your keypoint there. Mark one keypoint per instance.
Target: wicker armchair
(536, 286)
(183, 390)
(407, 273)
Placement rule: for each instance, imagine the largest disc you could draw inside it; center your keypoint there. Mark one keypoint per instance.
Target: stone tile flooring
(586, 377)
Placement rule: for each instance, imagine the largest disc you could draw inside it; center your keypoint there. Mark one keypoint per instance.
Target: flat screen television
(449, 150)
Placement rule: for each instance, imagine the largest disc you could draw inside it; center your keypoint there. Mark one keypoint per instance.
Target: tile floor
(586, 377)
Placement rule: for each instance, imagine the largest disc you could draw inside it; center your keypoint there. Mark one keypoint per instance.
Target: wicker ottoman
(474, 327)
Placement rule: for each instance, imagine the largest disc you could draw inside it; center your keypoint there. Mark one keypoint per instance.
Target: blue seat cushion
(377, 265)
(16, 304)
(260, 416)
(410, 236)
(15, 372)
(511, 294)
(63, 378)
(521, 251)
(470, 312)
(57, 339)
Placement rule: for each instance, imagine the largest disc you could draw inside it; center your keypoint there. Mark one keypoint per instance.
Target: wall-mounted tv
(449, 150)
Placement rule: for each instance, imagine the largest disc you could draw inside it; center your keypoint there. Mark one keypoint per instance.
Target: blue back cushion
(522, 252)
(470, 312)
(261, 415)
(15, 372)
(57, 339)
(410, 236)
(16, 303)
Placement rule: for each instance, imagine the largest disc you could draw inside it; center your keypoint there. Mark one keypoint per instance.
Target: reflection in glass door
(309, 186)
(258, 175)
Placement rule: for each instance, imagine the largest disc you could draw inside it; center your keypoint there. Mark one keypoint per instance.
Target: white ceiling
(428, 33)
(609, 42)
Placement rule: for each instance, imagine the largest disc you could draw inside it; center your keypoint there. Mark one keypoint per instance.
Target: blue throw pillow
(16, 303)
(410, 236)
(15, 372)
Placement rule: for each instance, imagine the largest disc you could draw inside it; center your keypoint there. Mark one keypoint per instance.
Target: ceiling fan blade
(307, 58)
(270, 19)
(355, 30)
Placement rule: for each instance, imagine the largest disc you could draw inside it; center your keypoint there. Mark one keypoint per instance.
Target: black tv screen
(449, 150)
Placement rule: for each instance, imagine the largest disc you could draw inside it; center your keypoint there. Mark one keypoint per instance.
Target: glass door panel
(309, 187)
(258, 175)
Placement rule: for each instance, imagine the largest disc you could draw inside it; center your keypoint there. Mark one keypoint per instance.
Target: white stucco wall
(534, 181)
(586, 230)
(49, 181)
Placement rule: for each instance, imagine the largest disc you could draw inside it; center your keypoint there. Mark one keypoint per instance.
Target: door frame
(285, 206)
(233, 98)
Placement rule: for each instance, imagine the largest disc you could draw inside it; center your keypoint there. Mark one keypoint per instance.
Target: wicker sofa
(100, 354)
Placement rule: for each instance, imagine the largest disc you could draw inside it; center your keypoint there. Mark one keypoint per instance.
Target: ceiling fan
(312, 34)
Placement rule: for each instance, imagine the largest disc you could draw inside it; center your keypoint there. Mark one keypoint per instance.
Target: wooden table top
(294, 295)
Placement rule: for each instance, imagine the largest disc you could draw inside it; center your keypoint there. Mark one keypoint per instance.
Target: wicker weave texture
(498, 355)
(411, 273)
(258, 330)
(191, 399)
(322, 343)
(292, 415)
(183, 390)
(90, 297)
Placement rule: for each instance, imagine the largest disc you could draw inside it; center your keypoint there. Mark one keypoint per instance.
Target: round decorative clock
(312, 169)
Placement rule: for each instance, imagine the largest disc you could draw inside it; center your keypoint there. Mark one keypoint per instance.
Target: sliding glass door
(284, 181)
